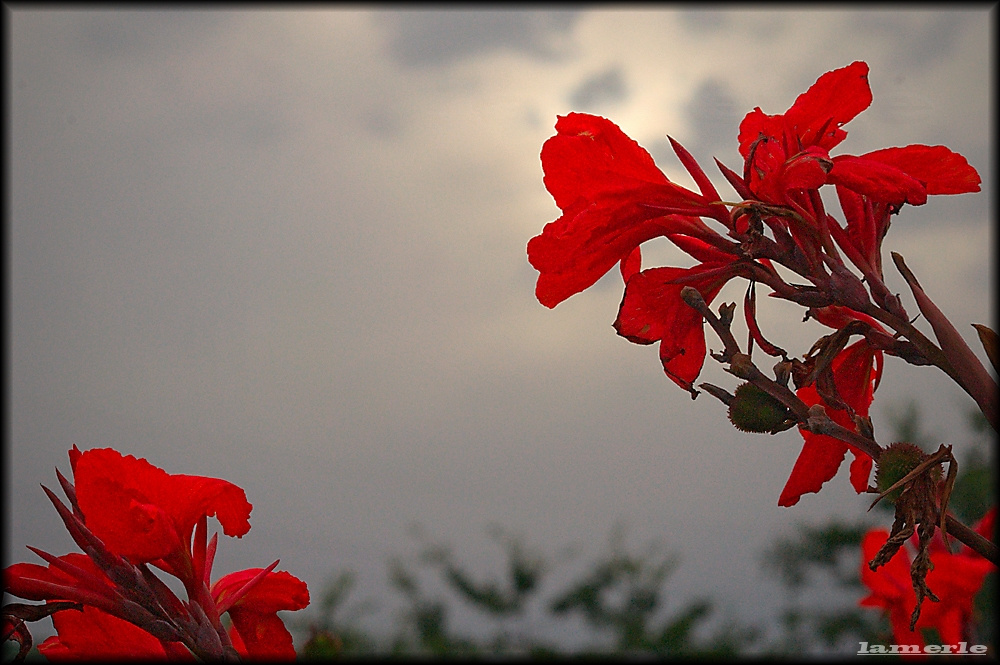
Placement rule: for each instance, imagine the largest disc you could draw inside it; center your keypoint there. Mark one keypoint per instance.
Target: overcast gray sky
(287, 249)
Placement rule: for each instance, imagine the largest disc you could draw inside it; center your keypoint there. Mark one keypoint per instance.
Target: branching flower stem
(814, 418)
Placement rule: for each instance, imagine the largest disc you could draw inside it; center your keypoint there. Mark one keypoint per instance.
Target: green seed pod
(897, 460)
(753, 410)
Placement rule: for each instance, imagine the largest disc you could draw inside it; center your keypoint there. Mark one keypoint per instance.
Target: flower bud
(897, 460)
(753, 410)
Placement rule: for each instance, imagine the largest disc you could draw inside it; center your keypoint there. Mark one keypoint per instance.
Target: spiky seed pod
(753, 410)
(897, 460)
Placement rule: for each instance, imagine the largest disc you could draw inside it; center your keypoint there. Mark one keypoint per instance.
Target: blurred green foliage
(620, 599)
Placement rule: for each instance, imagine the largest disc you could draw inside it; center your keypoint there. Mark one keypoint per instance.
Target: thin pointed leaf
(991, 343)
(750, 314)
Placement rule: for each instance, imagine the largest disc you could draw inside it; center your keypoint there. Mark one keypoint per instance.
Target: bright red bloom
(790, 151)
(126, 513)
(855, 376)
(257, 632)
(106, 628)
(613, 199)
(144, 513)
(955, 579)
(816, 117)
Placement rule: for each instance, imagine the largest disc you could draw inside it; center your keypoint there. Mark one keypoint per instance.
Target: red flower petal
(652, 311)
(257, 632)
(142, 512)
(835, 99)
(804, 171)
(938, 168)
(815, 118)
(96, 635)
(821, 456)
(878, 181)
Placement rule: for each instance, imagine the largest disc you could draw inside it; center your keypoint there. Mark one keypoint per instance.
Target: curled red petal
(652, 311)
(631, 264)
(877, 180)
(817, 115)
(835, 99)
(941, 170)
(276, 591)
(142, 512)
(258, 632)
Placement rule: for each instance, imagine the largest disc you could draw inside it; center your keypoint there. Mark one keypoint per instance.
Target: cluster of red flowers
(614, 198)
(956, 578)
(106, 603)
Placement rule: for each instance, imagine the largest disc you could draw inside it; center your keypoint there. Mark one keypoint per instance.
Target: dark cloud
(437, 37)
(606, 87)
(714, 115)
(705, 21)
(146, 33)
(931, 37)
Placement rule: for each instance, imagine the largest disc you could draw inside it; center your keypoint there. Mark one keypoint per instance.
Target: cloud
(601, 89)
(437, 37)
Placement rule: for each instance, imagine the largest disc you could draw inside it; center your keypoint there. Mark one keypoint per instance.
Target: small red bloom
(652, 310)
(955, 579)
(257, 632)
(791, 150)
(816, 117)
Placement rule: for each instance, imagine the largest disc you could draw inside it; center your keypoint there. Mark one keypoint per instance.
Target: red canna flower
(954, 578)
(613, 199)
(788, 153)
(126, 513)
